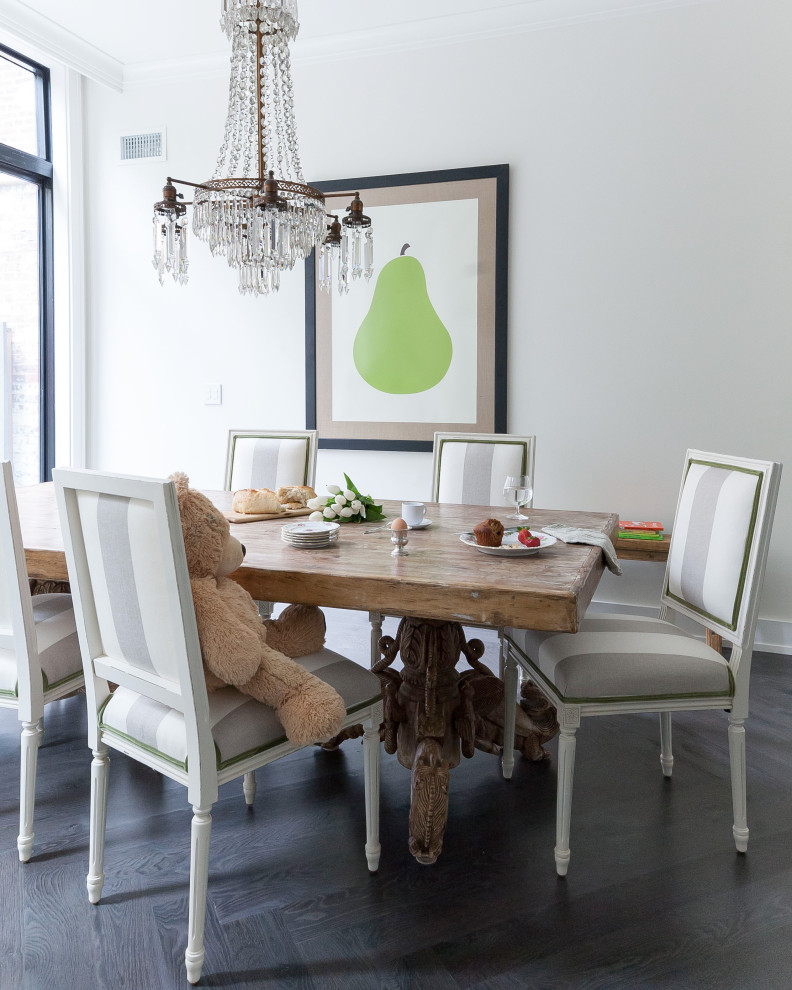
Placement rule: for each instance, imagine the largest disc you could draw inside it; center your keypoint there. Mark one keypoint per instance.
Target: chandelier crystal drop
(256, 210)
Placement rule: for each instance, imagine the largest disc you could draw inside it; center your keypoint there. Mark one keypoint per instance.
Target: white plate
(309, 541)
(511, 546)
(322, 527)
(422, 524)
(317, 545)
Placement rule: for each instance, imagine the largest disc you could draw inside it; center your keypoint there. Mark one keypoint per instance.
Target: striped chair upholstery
(625, 658)
(713, 536)
(39, 653)
(622, 663)
(241, 726)
(136, 626)
(470, 468)
(274, 459)
(57, 646)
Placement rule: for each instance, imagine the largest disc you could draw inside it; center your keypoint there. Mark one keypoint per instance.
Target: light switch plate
(213, 395)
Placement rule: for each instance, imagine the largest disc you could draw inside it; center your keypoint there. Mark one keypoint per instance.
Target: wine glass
(518, 488)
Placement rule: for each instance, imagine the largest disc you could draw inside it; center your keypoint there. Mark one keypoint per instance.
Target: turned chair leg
(27, 787)
(739, 797)
(249, 787)
(666, 754)
(100, 767)
(566, 771)
(375, 618)
(265, 609)
(371, 776)
(511, 683)
(200, 833)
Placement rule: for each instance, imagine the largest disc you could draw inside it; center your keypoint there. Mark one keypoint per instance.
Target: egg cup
(400, 539)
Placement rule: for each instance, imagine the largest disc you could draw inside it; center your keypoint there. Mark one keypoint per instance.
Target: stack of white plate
(310, 535)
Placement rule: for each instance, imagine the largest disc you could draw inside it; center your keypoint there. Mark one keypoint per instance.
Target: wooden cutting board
(246, 517)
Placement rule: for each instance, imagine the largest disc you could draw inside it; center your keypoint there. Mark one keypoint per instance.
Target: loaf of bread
(295, 496)
(251, 501)
(489, 533)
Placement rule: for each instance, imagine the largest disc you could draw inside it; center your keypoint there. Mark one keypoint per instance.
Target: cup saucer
(422, 524)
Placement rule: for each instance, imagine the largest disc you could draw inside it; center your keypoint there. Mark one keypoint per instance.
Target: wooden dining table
(432, 712)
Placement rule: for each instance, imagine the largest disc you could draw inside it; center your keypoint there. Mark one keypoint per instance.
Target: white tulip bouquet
(343, 505)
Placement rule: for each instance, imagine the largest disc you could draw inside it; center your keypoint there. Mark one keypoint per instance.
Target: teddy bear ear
(180, 479)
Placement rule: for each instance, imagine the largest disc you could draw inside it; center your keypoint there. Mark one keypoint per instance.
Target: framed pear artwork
(420, 346)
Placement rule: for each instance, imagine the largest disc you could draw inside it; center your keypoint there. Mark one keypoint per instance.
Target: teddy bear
(240, 649)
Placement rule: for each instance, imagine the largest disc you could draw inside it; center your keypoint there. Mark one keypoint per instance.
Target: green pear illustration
(402, 345)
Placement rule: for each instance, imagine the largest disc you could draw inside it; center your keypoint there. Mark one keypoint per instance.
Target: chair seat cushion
(58, 646)
(625, 658)
(241, 726)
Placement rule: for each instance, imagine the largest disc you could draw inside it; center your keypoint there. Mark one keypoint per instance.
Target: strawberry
(527, 539)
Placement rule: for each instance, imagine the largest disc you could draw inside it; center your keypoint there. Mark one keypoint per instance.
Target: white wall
(650, 258)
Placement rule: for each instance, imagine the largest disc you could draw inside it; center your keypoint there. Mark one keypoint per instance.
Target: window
(26, 277)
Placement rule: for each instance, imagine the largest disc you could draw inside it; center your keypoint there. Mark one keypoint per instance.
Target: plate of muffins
(491, 537)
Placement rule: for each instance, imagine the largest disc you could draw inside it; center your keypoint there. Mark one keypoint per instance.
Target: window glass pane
(18, 107)
(19, 326)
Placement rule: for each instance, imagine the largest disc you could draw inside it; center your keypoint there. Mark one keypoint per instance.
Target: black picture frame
(490, 184)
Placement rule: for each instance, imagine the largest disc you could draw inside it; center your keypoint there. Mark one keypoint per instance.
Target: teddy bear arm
(298, 630)
(231, 648)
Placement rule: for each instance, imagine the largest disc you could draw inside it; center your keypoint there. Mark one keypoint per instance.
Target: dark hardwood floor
(656, 896)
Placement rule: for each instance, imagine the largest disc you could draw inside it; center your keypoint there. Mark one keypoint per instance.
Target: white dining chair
(270, 458)
(470, 469)
(137, 628)
(618, 664)
(39, 654)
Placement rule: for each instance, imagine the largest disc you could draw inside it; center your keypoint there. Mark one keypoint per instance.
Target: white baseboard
(772, 635)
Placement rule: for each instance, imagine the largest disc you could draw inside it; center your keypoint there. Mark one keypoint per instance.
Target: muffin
(489, 533)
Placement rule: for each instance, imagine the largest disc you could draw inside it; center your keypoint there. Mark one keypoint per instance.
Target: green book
(632, 534)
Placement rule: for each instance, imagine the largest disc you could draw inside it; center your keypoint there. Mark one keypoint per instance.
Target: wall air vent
(149, 147)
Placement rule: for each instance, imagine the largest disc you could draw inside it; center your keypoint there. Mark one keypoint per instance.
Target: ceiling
(151, 30)
(117, 43)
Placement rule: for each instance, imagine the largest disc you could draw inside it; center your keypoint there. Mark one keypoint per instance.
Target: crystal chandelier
(257, 210)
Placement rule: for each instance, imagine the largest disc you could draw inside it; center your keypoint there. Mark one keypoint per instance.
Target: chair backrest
(470, 468)
(719, 542)
(270, 459)
(17, 628)
(132, 597)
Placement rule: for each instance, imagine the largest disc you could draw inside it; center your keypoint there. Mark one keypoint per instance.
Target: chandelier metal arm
(185, 182)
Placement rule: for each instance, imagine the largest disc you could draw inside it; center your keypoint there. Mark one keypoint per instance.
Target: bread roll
(489, 533)
(295, 496)
(251, 501)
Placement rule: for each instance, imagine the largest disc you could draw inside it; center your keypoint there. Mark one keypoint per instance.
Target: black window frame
(38, 170)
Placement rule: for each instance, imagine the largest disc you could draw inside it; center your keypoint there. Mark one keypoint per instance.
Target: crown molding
(49, 38)
(502, 20)
(498, 21)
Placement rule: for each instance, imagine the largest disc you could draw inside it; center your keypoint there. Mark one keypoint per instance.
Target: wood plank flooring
(656, 896)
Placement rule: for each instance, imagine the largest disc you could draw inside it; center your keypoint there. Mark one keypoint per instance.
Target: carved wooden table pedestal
(433, 714)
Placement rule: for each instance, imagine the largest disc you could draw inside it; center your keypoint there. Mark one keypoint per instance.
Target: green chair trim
(708, 616)
(270, 436)
(64, 680)
(491, 443)
(220, 764)
(608, 700)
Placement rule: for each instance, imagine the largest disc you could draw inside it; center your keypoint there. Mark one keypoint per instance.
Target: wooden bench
(643, 549)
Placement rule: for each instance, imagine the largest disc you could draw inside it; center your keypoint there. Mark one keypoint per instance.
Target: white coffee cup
(413, 513)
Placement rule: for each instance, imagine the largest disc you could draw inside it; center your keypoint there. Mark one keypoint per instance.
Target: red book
(643, 526)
